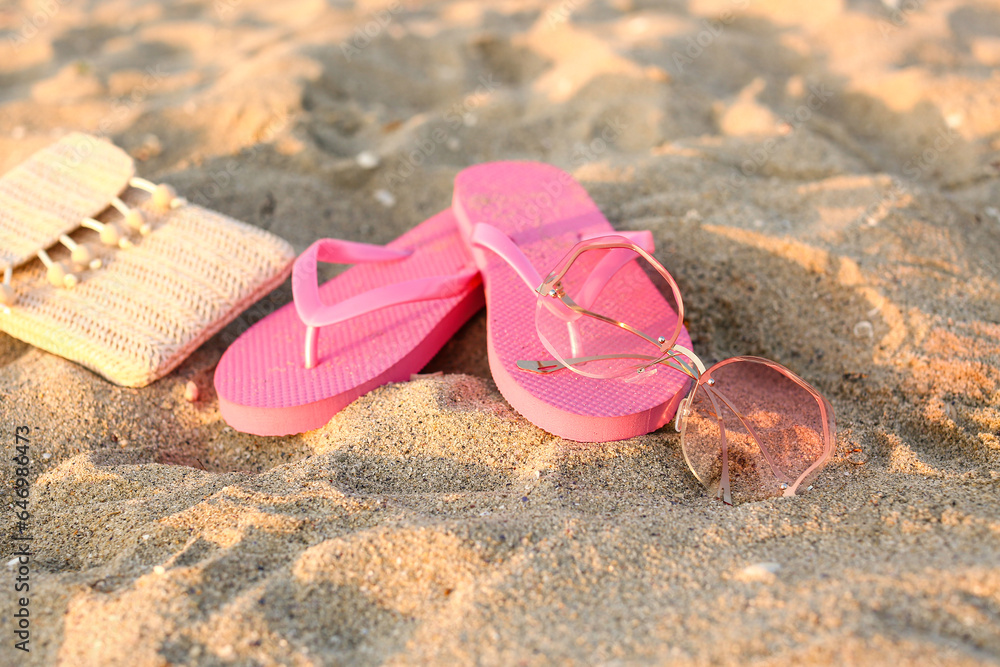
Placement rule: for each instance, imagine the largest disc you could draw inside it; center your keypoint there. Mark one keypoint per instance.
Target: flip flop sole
(545, 212)
(262, 382)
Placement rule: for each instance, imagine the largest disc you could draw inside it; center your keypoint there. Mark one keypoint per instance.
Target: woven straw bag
(151, 293)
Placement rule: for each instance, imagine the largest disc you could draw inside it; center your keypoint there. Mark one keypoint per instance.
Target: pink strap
(314, 313)
(305, 290)
(489, 237)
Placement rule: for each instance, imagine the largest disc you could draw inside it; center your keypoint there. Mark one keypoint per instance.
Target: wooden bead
(111, 234)
(57, 274)
(135, 221)
(163, 197)
(84, 256)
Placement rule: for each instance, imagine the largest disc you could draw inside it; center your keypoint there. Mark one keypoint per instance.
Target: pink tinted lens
(620, 286)
(770, 429)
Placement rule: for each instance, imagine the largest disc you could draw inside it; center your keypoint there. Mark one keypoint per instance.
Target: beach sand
(822, 180)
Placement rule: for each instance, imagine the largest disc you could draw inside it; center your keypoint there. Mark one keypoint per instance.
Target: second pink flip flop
(520, 219)
(376, 323)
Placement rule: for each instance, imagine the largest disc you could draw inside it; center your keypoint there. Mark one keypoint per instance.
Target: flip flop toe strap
(314, 313)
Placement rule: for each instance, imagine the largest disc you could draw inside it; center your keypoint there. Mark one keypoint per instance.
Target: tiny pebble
(763, 572)
(638, 24)
(864, 329)
(191, 392)
(159, 569)
(385, 198)
(46, 456)
(151, 147)
(145, 537)
(367, 159)
(656, 74)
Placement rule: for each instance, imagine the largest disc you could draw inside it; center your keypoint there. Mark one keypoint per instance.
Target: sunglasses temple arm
(546, 366)
(671, 360)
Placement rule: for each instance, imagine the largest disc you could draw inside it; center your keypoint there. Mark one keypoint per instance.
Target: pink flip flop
(520, 219)
(375, 323)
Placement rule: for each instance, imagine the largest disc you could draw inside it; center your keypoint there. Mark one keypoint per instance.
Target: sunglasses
(750, 428)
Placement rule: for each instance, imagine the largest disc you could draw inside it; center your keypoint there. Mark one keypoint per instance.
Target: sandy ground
(821, 178)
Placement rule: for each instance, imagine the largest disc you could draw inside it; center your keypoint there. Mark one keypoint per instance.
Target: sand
(822, 180)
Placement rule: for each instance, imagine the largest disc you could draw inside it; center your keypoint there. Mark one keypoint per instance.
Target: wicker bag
(146, 297)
